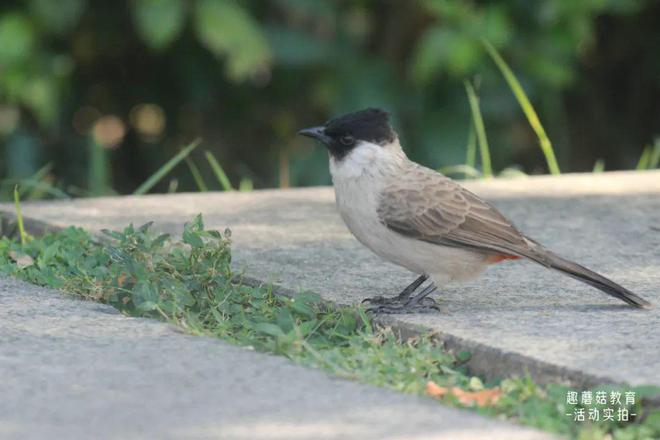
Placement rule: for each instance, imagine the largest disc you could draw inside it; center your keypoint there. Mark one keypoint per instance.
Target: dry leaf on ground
(22, 261)
(435, 390)
(486, 397)
(481, 398)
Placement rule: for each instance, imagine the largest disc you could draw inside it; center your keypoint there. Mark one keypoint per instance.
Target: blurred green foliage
(109, 91)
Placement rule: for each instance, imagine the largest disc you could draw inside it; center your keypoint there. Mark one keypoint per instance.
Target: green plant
(189, 282)
(197, 176)
(480, 131)
(166, 168)
(526, 106)
(650, 157)
(38, 185)
(599, 166)
(98, 176)
(19, 217)
(249, 73)
(219, 173)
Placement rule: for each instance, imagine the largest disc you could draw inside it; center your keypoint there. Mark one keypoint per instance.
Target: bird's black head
(340, 135)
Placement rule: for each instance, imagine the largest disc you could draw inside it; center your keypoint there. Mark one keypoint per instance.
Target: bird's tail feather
(581, 273)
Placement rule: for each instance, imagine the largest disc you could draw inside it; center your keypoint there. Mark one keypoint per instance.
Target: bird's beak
(317, 133)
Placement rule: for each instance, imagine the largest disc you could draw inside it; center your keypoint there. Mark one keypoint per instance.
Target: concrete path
(518, 317)
(73, 370)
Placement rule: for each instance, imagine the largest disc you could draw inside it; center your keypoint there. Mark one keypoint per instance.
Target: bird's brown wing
(428, 206)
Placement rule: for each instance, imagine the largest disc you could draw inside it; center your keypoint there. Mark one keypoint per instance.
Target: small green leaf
(17, 37)
(599, 166)
(443, 49)
(146, 306)
(269, 329)
(144, 292)
(58, 16)
(158, 22)
(159, 241)
(476, 384)
(227, 30)
(307, 327)
(463, 356)
(285, 320)
(302, 308)
(192, 238)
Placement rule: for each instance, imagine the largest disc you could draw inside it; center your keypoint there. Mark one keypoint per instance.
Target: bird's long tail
(554, 261)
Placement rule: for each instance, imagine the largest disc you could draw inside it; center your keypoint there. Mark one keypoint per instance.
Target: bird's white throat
(370, 159)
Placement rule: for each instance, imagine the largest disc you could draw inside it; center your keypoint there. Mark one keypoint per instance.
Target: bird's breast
(357, 203)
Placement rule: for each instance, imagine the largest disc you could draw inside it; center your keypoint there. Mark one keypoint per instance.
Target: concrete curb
(489, 362)
(486, 361)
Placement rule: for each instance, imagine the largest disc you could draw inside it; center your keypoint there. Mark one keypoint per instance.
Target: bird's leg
(419, 303)
(422, 299)
(405, 293)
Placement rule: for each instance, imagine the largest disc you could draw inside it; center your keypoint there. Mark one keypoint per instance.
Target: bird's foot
(420, 303)
(391, 306)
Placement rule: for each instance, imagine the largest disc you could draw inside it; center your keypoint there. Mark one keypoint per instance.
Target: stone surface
(517, 317)
(80, 370)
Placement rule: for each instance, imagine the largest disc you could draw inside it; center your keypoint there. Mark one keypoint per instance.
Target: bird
(422, 220)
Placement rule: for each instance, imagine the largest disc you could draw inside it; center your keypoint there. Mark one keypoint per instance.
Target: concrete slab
(80, 370)
(517, 317)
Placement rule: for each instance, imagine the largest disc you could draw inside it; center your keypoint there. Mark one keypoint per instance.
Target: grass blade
(654, 156)
(37, 187)
(19, 216)
(527, 108)
(40, 186)
(197, 176)
(480, 129)
(98, 173)
(471, 150)
(162, 171)
(246, 185)
(40, 174)
(219, 172)
(643, 163)
(599, 166)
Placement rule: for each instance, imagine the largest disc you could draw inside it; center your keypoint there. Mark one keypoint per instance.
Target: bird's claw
(381, 305)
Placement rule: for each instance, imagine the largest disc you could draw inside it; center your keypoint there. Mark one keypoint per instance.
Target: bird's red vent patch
(499, 258)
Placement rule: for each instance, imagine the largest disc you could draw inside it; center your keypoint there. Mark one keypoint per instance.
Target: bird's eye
(347, 140)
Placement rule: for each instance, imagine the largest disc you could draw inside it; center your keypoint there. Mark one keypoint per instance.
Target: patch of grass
(189, 282)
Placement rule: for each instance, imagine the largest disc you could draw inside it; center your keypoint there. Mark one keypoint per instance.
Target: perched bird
(422, 220)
